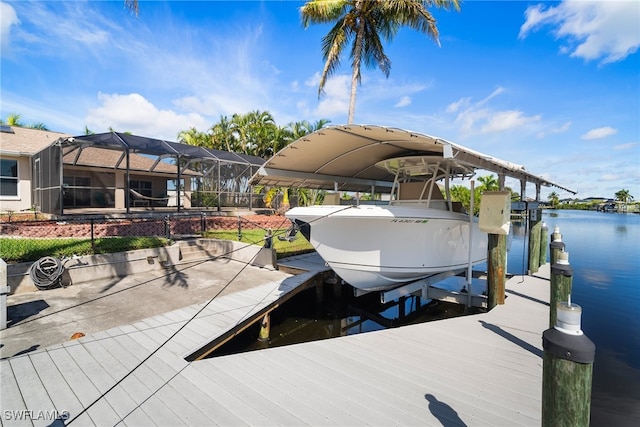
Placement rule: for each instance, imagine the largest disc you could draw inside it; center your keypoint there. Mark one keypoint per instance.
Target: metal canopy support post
(178, 182)
(127, 193)
(61, 157)
(470, 266)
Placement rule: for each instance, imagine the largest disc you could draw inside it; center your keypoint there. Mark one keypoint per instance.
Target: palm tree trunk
(355, 72)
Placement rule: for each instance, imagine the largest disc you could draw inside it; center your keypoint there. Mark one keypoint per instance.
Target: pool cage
(120, 171)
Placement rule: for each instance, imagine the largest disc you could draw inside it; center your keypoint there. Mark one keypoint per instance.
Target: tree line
(623, 196)
(254, 133)
(14, 119)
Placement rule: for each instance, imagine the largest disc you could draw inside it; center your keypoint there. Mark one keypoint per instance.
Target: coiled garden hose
(46, 272)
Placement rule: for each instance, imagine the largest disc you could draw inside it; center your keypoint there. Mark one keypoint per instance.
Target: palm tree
(488, 183)
(194, 137)
(133, 6)
(13, 119)
(554, 198)
(624, 197)
(363, 23)
(39, 126)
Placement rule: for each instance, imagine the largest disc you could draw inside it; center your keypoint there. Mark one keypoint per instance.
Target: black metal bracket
(575, 348)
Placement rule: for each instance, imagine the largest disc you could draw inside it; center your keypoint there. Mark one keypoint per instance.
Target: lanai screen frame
(183, 154)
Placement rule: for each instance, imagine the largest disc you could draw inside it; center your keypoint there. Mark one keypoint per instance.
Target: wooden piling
(535, 229)
(265, 328)
(496, 270)
(561, 282)
(543, 244)
(567, 369)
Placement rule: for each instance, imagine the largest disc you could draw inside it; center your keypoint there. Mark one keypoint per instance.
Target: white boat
(419, 232)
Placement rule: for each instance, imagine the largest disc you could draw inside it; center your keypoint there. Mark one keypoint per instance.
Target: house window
(142, 187)
(8, 178)
(77, 191)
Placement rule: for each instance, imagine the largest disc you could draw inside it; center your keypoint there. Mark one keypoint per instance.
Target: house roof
(140, 144)
(21, 141)
(106, 150)
(347, 155)
(112, 159)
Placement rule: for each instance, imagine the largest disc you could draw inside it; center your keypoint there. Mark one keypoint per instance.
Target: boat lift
(426, 289)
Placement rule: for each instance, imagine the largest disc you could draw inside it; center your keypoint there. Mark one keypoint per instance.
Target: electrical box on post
(495, 212)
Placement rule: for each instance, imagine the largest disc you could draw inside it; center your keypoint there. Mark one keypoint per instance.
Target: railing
(169, 225)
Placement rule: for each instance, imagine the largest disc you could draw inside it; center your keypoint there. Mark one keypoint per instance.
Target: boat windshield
(417, 180)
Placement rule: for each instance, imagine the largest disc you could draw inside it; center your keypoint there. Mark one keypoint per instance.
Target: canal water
(604, 251)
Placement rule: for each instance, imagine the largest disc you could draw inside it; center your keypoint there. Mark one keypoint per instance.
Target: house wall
(24, 200)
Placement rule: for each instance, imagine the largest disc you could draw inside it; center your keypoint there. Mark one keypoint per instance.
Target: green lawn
(257, 237)
(28, 250)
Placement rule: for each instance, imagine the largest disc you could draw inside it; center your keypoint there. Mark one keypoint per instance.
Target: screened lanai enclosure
(118, 171)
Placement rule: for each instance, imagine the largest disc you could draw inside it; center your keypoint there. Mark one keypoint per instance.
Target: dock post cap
(574, 348)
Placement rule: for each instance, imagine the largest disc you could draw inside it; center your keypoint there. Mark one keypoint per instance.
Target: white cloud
(403, 102)
(598, 30)
(134, 113)
(598, 133)
(552, 131)
(506, 120)
(626, 146)
(611, 177)
(8, 17)
(478, 118)
(67, 30)
(335, 99)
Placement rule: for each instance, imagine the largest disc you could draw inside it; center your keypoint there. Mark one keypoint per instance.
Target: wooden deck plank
(131, 382)
(283, 391)
(63, 397)
(232, 407)
(215, 410)
(401, 377)
(10, 397)
(327, 397)
(191, 414)
(273, 411)
(373, 402)
(134, 354)
(36, 399)
(83, 388)
(160, 413)
(118, 397)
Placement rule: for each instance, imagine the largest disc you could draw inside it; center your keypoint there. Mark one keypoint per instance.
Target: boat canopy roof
(345, 157)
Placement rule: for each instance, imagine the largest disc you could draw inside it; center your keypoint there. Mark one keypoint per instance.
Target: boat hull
(381, 247)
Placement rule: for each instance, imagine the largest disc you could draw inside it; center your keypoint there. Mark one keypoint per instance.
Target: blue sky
(554, 86)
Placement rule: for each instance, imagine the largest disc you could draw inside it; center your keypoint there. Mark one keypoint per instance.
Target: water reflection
(621, 229)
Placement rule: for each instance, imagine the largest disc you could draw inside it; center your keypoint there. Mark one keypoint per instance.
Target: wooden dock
(483, 369)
